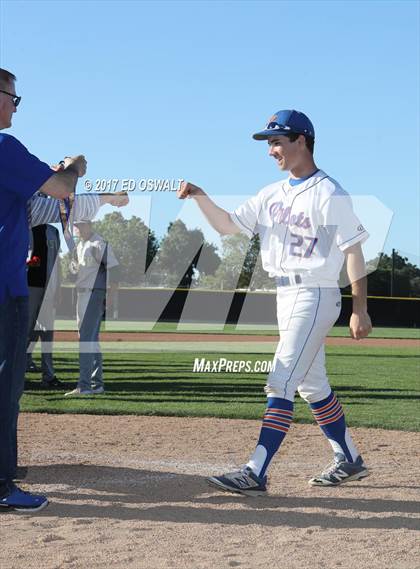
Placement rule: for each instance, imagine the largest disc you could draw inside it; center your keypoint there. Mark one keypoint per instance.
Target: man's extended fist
(188, 190)
(118, 200)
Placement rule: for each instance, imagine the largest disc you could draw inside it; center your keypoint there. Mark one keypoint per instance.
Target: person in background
(44, 272)
(44, 286)
(95, 264)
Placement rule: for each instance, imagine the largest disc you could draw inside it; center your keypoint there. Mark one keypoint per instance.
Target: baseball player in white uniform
(307, 230)
(96, 267)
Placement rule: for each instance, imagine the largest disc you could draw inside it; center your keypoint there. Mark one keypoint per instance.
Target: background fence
(224, 306)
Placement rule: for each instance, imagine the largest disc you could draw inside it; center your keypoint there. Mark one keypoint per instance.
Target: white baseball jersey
(94, 257)
(303, 229)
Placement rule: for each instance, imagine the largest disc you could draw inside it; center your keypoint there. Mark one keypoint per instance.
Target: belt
(288, 281)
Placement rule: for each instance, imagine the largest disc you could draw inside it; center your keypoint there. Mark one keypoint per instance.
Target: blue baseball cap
(286, 122)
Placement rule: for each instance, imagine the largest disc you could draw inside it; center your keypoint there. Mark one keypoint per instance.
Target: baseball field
(125, 470)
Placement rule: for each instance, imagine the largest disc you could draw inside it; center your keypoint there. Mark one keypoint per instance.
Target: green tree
(241, 265)
(134, 244)
(406, 276)
(181, 251)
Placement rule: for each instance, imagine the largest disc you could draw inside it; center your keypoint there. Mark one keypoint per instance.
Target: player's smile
(291, 156)
(282, 150)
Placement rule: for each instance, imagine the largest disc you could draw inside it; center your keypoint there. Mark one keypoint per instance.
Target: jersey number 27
(299, 243)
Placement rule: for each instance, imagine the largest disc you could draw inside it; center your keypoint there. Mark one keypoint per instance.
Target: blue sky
(175, 90)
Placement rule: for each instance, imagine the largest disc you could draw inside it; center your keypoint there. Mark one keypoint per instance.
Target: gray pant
(41, 327)
(90, 310)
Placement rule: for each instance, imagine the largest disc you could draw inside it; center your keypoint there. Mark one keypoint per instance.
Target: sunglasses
(16, 99)
(277, 126)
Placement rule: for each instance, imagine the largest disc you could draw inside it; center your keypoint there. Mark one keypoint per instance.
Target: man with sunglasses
(22, 175)
(307, 230)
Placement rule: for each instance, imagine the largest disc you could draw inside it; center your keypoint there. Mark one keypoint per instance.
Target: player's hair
(309, 140)
(6, 77)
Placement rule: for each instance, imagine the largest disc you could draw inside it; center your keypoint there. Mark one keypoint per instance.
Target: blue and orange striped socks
(276, 422)
(329, 415)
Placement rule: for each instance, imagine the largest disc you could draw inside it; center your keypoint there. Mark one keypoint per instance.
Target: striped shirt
(46, 210)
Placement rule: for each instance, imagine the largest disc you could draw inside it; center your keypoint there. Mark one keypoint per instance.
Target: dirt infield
(197, 337)
(128, 492)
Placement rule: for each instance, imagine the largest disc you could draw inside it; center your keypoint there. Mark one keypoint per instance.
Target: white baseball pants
(305, 315)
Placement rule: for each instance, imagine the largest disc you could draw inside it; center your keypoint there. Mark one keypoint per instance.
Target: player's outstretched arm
(360, 323)
(63, 182)
(218, 217)
(85, 206)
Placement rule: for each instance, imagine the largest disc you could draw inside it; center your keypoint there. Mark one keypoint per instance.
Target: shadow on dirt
(124, 493)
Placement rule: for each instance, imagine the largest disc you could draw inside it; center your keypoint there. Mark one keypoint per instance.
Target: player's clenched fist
(119, 199)
(188, 190)
(360, 325)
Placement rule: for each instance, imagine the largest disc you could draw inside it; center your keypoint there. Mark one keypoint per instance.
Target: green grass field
(379, 387)
(169, 327)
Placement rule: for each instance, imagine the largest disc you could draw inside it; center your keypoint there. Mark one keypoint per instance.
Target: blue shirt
(21, 175)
